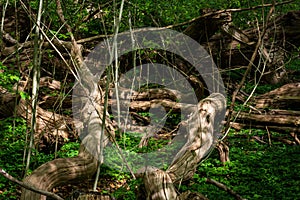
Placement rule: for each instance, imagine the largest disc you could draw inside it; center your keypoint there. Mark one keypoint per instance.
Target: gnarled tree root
(59, 171)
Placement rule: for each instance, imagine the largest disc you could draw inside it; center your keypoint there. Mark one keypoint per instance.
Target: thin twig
(227, 10)
(269, 136)
(224, 187)
(248, 70)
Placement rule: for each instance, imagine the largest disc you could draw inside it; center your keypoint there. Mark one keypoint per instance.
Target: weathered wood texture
(286, 97)
(230, 49)
(200, 135)
(64, 170)
(277, 110)
(50, 125)
(201, 129)
(58, 172)
(200, 132)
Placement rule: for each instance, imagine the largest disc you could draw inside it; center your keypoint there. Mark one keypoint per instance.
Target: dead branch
(28, 186)
(224, 187)
(248, 70)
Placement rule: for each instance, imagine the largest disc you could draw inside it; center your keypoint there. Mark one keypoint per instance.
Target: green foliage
(12, 145)
(69, 150)
(129, 192)
(256, 171)
(11, 154)
(261, 88)
(294, 64)
(61, 36)
(8, 77)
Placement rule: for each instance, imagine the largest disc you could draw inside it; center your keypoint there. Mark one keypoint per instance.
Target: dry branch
(241, 125)
(29, 187)
(269, 119)
(199, 130)
(60, 171)
(224, 187)
(145, 105)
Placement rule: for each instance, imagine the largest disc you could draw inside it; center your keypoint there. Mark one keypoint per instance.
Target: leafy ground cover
(256, 170)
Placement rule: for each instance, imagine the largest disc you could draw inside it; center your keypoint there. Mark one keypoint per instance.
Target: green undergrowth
(11, 154)
(255, 170)
(12, 144)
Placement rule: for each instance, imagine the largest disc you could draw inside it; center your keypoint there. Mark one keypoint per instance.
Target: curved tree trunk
(200, 130)
(58, 172)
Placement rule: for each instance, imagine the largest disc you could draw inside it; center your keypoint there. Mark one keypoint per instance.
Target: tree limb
(29, 187)
(224, 187)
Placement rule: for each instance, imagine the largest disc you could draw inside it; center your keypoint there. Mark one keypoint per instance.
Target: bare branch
(29, 187)
(224, 187)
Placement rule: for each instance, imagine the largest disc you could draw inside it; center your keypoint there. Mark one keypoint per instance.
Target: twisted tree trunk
(58, 172)
(200, 130)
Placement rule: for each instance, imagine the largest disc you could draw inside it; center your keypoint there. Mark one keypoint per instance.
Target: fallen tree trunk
(277, 110)
(200, 134)
(269, 119)
(50, 125)
(241, 125)
(285, 97)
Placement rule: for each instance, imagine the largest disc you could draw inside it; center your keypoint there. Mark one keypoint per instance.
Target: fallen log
(269, 119)
(285, 97)
(240, 126)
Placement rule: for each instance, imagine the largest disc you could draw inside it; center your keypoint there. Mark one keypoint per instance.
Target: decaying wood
(159, 185)
(276, 110)
(49, 124)
(139, 106)
(58, 172)
(201, 130)
(223, 150)
(202, 29)
(234, 47)
(150, 94)
(277, 122)
(27, 186)
(241, 125)
(200, 133)
(294, 135)
(248, 70)
(287, 97)
(269, 119)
